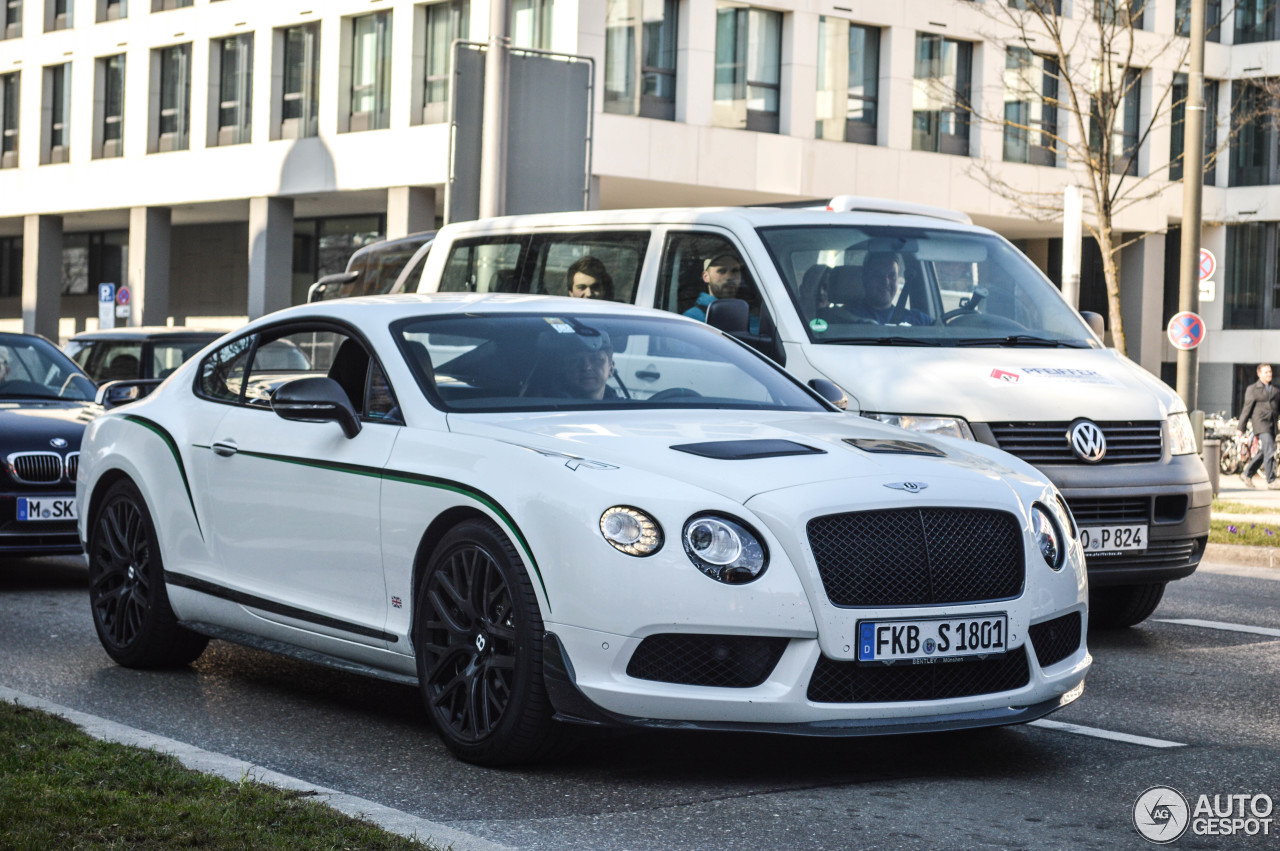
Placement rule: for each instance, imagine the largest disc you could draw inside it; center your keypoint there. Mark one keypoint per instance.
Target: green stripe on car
(173, 449)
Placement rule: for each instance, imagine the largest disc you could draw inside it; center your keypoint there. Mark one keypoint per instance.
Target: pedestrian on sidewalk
(1262, 409)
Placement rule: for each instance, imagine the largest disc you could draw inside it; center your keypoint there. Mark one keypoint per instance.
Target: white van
(926, 321)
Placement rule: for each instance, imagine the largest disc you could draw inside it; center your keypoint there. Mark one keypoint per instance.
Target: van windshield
(875, 285)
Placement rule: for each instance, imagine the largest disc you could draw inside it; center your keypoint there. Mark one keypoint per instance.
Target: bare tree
(1071, 99)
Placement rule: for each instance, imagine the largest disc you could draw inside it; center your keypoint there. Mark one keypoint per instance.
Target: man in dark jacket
(1262, 409)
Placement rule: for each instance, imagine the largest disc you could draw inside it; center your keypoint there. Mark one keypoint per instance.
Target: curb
(1244, 554)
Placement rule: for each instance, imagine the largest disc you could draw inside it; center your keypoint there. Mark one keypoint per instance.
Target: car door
(295, 505)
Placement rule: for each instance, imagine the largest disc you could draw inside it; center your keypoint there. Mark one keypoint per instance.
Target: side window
(484, 266)
(588, 265)
(283, 357)
(222, 372)
(120, 362)
(380, 404)
(166, 357)
(698, 268)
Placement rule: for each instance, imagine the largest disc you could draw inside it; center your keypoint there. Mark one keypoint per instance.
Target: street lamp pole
(1192, 182)
(493, 151)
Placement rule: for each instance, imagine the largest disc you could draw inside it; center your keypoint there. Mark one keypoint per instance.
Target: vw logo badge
(909, 487)
(1087, 441)
(58, 443)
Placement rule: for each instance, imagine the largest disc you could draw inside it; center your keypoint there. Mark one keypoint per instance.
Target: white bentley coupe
(548, 511)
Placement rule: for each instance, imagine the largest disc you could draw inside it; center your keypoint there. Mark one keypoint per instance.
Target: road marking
(1104, 734)
(236, 770)
(1228, 627)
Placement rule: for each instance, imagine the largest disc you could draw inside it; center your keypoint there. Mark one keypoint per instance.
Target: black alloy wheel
(478, 636)
(127, 595)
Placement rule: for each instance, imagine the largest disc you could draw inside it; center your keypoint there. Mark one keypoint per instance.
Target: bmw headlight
(724, 549)
(631, 531)
(1048, 536)
(1182, 438)
(945, 426)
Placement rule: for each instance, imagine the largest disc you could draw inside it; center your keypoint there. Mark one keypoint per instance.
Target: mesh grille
(1047, 443)
(918, 556)
(724, 661)
(1057, 639)
(849, 682)
(37, 468)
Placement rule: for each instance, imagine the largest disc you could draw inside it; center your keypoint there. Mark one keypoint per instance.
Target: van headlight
(944, 426)
(631, 531)
(725, 549)
(1048, 535)
(1182, 438)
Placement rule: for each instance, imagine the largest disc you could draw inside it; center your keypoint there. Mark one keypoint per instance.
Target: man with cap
(723, 276)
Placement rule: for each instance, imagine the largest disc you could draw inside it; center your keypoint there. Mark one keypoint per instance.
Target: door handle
(648, 375)
(225, 448)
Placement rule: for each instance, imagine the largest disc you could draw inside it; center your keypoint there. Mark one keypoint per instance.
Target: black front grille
(73, 464)
(1122, 509)
(849, 682)
(918, 556)
(724, 661)
(1128, 442)
(1057, 639)
(36, 468)
(1168, 552)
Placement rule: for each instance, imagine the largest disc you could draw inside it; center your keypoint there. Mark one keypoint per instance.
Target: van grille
(1047, 443)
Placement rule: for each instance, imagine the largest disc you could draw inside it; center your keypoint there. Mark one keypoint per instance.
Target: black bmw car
(45, 402)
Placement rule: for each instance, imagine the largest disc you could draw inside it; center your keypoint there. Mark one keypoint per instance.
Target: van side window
(484, 266)
(695, 266)
(613, 257)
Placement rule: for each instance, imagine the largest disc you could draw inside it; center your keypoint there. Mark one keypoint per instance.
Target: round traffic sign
(1186, 330)
(122, 295)
(1208, 264)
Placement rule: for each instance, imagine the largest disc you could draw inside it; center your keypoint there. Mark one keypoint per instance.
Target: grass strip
(1243, 532)
(64, 789)
(1227, 506)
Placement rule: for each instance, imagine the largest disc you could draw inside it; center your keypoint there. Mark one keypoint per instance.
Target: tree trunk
(1112, 276)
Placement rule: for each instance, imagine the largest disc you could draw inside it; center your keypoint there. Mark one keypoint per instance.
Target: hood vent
(744, 450)
(894, 447)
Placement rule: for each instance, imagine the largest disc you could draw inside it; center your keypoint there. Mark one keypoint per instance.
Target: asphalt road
(1213, 690)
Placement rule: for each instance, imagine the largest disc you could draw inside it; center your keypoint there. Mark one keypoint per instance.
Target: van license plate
(1113, 539)
(932, 638)
(33, 509)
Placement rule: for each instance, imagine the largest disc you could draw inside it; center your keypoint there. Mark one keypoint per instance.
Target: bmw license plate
(1113, 539)
(41, 508)
(930, 639)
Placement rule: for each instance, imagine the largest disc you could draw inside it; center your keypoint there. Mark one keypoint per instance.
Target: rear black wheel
(127, 594)
(478, 638)
(1123, 606)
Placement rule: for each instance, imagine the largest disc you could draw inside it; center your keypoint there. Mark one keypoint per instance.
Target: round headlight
(724, 549)
(631, 531)
(1048, 537)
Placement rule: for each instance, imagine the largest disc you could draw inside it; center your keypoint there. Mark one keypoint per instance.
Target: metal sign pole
(1192, 180)
(493, 152)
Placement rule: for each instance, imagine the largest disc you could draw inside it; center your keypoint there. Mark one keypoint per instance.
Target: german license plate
(930, 639)
(1108, 539)
(33, 509)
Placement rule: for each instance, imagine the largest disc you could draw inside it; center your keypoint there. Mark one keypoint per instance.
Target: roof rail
(864, 204)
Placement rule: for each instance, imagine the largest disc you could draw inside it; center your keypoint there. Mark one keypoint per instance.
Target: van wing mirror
(830, 391)
(316, 400)
(330, 286)
(113, 394)
(1094, 321)
(730, 315)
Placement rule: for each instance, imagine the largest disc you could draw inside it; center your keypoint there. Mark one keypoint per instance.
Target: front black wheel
(127, 594)
(478, 639)
(1123, 606)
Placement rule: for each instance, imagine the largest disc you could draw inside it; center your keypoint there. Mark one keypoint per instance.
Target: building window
(162, 5)
(111, 10)
(57, 111)
(299, 87)
(531, 23)
(444, 23)
(1122, 112)
(640, 82)
(1030, 110)
(748, 68)
(231, 61)
(89, 259)
(1123, 13)
(9, 105)
(10, 266)
(173, 120)
(848, 81)
(1179, 96)
(940, 99)
(1254, 145)
(109, 107)
(1252, 277)
(1212, 18)
(1256, 20)
(11, 12)
(1054, 6)
(57, 14)
(371, 72)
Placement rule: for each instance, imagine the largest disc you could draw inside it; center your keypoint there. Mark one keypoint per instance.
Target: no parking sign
(1186, 330)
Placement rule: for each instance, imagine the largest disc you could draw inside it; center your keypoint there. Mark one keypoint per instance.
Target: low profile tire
(478, 639)
(1123, 605)
(126, 587)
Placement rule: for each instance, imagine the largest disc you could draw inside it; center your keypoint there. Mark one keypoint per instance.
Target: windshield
(563, 361)
(919, 286)
(31, 368)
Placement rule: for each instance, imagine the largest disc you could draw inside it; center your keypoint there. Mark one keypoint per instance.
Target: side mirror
(830, 391)
(1095, 323)
(730, 315)
(329, 286)
(316, 400)
(113, 394)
